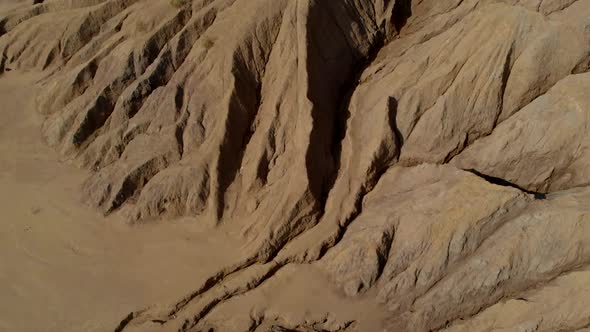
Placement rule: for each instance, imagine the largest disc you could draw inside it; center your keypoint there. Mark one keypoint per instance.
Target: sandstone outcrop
(432, 155)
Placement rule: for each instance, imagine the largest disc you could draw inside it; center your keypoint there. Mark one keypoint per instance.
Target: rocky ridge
(430, 154)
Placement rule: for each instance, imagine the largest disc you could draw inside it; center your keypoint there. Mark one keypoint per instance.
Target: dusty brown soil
(295, 165)
(65, 267)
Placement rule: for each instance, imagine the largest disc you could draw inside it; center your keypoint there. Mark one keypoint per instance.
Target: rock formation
(434, 155)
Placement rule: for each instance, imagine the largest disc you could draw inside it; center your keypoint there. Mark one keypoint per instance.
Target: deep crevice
(339, 130)
(402, 11)
(343, 114)
(505, 183)
(248, 97)
(3, 58)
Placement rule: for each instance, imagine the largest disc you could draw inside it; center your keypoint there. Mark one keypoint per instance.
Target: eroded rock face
(544, 147)
(433, 155)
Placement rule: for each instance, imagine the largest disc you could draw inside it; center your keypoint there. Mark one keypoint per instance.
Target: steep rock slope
(429, 154)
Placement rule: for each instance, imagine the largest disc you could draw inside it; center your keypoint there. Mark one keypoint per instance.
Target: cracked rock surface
(430, 158)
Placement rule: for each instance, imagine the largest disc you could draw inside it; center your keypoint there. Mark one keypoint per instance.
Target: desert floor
(64, 267)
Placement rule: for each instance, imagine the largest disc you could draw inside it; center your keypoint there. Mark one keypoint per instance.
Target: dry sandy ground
(6, 5)
(63, 267)
(431, 155)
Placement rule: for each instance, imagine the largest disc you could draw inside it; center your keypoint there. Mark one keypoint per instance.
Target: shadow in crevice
(343, 114)
(3, 61)
(583, 66)
(505, 183)
(333, 79)
(392, 106)
(402, 11)
(244, 105)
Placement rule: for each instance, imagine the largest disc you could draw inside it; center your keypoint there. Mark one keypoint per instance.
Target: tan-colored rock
(409, 156)
(439, 262)
(427, 209)
(545, 147)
